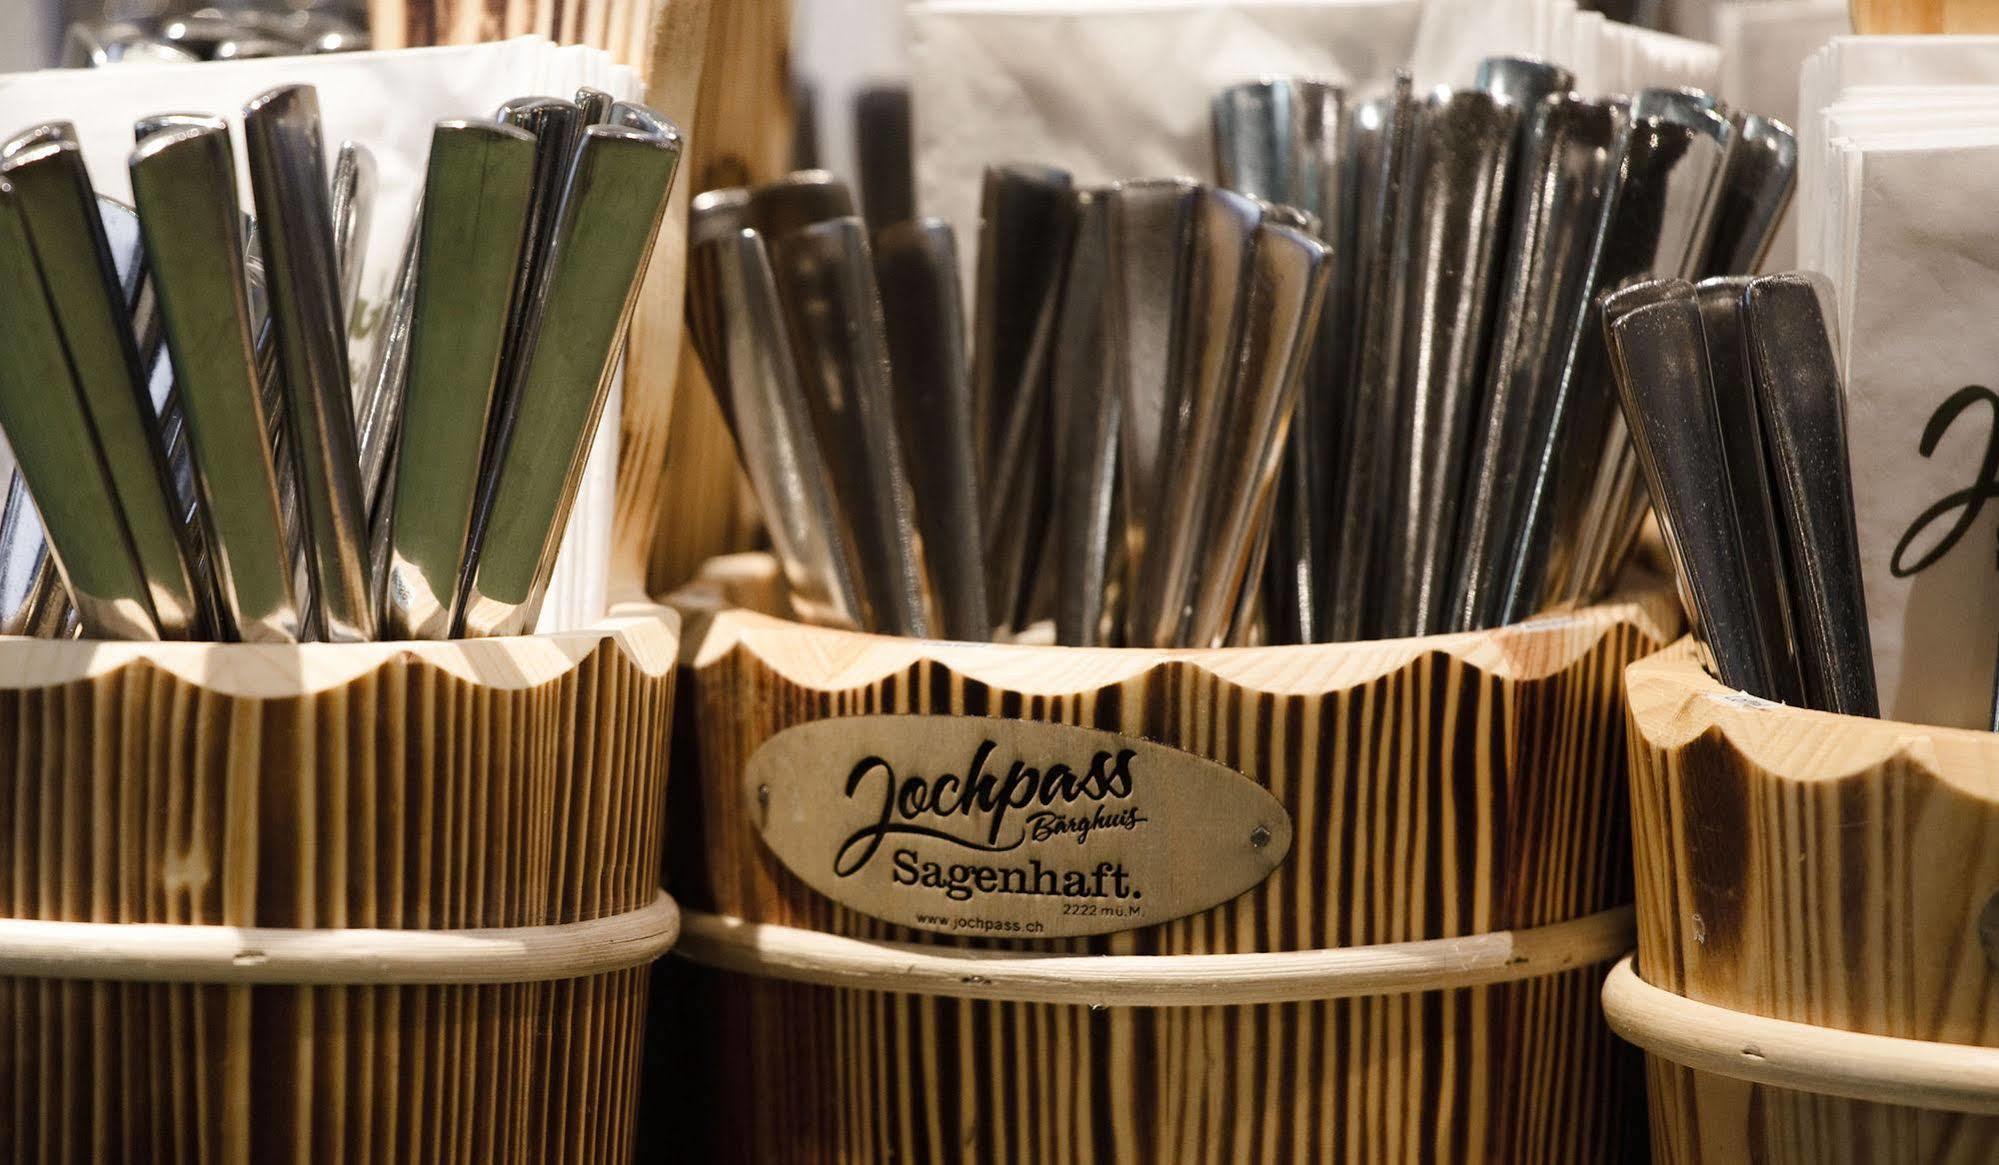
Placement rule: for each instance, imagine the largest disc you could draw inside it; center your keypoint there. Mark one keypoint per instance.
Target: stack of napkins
(389, 102)
(1606, 57)
(1899, 158)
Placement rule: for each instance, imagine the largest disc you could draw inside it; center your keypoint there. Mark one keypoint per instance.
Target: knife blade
(49, 428)
(603, 232)
(478, 191)
(281, 129)
(60, 214)
(184, 184)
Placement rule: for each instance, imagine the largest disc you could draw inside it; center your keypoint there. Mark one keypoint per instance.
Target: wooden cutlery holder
(374, 902)
(1817, 977)
(1410, 975)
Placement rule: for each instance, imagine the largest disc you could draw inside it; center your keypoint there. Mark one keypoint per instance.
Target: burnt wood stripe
(407, 796)
(1462, 790)
(1819, 869)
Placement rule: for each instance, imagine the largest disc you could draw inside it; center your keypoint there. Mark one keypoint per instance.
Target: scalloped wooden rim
(160, 953)
(1672, 700)
(647, 633)
(836, 659)
(1800, 1056)
(771, 951)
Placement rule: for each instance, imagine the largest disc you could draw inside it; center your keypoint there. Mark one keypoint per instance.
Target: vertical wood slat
(1437, 788)
(324, 786)
(1822, 869)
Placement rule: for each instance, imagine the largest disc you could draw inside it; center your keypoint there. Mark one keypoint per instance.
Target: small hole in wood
(1259, 837)
(1988, 929)
(250, 958)
(1752, 1052)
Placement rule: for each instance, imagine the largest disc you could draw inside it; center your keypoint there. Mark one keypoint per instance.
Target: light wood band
(154, 953)
(1801, 1056)
(810, 956)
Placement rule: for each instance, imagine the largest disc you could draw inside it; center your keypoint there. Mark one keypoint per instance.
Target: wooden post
(742, 134)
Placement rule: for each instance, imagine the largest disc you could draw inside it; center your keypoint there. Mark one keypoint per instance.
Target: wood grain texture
(1801, 1057)
(811, 956)
(674, 67)
(1915, 17)
(742, 134)
(1438, 788)
(493, 783)
(1821, 869)
(620, 27)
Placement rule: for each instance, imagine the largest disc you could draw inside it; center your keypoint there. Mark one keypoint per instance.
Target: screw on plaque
(763, 803)
(1259, 837)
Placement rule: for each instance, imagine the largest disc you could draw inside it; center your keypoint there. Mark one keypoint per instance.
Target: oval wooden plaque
(994, 828)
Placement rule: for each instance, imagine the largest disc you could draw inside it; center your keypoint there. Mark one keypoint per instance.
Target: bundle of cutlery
(1355, 389)
(1738, 416)
(177, 393)
(212, 34)
(1458, 462)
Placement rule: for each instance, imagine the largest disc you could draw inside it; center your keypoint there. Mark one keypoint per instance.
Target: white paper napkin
(1922, 292)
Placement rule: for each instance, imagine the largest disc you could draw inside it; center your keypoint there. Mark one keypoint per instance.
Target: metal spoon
(1459, 194)
(1617, 506)
(1151, 246)
(135, 288)
(826, 280)
(1565, 171)
(1194, 416)
(772, 424)
(1284, 141)
(1803, 403)
(916, 266)
(1283, 296)
(1734, 384)
(1755, 188)
(714, 214)
(885, 140)
(594, 105)
(795, 201)
(1028, 217)
(1654, 216)
(1085, 384)
(1385, 132)
(1522, 81)
(1659, 359)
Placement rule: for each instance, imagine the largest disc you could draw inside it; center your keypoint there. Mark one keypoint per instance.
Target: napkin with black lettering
(1918, 278)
